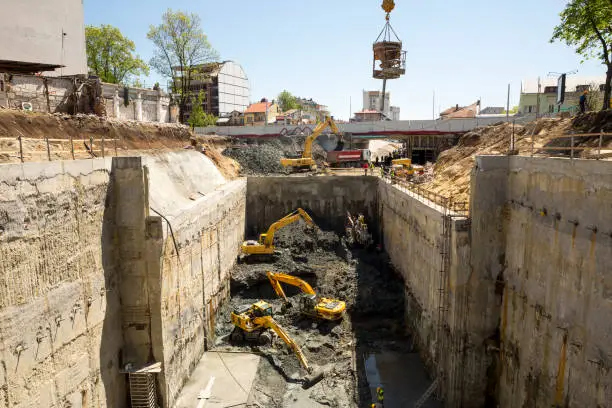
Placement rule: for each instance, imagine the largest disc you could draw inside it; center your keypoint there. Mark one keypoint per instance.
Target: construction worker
(371, 169)
(365, 169)
(380, 395)
(583, 100)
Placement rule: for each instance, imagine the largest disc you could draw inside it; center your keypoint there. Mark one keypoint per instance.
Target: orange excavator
(310, 303)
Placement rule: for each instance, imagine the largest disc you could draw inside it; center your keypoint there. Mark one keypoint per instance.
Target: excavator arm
(318, 130)
(270, 323)
(268, 238)
(277, 278)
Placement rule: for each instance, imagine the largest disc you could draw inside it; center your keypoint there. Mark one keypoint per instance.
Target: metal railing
(95, 148)
(456, 207)
(562, 150)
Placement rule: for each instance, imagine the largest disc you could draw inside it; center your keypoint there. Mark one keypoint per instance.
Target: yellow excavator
(252, 324)
(403, 168)
(265, 244)
(306, 162)
(310, 303)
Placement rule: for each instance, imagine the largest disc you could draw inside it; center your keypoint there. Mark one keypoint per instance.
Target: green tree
(198, 117)
(180, 47)
(287, 101)
(586, 25)
(111, 56)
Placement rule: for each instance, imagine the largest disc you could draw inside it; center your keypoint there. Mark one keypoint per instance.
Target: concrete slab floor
(389, 370)
(224, 378)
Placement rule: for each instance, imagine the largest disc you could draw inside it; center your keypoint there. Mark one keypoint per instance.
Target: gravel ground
(263, 158)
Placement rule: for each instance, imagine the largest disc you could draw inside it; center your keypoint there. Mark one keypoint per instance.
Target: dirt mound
(121, 138)
(452, 170)
(263, 157)
(257, 159)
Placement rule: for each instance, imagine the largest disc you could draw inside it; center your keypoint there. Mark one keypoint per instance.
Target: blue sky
(322, 49)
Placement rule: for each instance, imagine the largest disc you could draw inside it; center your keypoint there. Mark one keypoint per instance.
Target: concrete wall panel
(58, 316)
(326, 199)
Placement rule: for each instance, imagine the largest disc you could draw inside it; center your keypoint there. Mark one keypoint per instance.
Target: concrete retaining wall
(207, 217)
(415, 236)
(326, 199)
(555, 262)
(90, 280)
(60, 328)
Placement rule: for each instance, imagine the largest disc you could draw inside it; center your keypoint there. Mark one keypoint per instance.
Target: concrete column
(116, 102)
(130, 211)
(138, 103)
(488, 201)
(158, 106)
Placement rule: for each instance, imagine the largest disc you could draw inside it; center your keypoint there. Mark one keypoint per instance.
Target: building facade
(43, 36)
(542, 99)
(372, 102)
(225, 86)
(261, 113)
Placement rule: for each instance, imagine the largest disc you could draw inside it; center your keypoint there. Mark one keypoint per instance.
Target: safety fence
(442, 202)
(24, 148)
(563, 148)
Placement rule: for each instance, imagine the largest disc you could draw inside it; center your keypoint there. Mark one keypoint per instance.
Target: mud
(373, 322)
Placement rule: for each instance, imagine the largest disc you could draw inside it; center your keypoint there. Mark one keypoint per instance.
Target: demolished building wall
(78, 95)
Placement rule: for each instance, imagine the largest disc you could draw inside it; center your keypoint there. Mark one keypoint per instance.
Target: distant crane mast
(388, 53)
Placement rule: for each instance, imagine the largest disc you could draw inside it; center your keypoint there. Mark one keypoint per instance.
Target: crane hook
(388, 6)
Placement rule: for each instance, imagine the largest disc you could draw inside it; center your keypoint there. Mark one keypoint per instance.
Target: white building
(372, 102)
(225, 85)
(39, 35)
(394, 113)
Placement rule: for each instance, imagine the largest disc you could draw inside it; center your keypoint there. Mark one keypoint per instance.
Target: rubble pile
(375, 302)
(263, 157)
(257, 158)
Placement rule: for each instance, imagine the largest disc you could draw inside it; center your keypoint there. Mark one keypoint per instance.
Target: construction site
(444, 263)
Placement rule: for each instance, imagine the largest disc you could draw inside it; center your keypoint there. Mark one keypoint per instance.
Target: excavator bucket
(313, 378)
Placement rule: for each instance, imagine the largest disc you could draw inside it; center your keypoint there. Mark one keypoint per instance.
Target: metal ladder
(143, 390)
(427, 393)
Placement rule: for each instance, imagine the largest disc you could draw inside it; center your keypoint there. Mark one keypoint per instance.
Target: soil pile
(263, 157)
(375, 302)
(121, 137)
(257, 159)
(453, 168)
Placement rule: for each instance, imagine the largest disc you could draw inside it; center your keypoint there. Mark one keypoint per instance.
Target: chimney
(457, 107)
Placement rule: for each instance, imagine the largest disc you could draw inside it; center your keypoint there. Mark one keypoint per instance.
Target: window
(582, 88)
(551, 108)
(550, 89)
(529, 109)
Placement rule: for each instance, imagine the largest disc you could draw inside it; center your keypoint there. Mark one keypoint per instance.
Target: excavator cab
(308, 302)
(261, 309)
